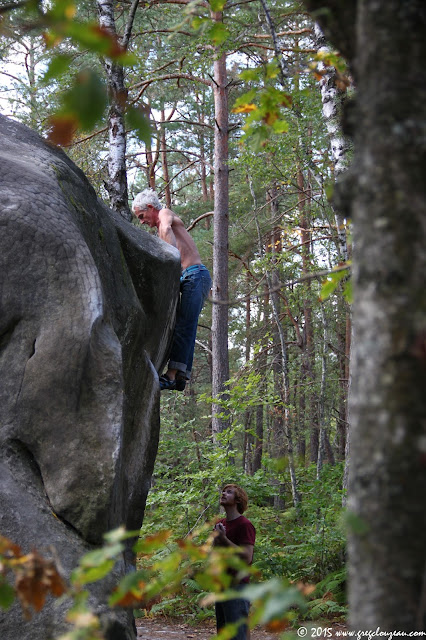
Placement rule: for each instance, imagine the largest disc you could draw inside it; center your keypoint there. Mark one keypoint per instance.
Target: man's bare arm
(165, 228)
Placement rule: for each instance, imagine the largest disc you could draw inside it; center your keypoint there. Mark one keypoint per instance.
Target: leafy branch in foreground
(164, 569)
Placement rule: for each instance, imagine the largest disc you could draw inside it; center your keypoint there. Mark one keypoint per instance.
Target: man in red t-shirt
(235, 531)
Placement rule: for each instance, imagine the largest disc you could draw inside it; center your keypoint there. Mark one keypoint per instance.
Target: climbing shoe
(180, 382)
(166, 384)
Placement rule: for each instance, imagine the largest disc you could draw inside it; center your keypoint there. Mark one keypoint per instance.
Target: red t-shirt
(241, 532)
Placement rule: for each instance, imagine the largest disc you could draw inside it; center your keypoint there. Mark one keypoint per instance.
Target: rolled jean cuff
(179, 366)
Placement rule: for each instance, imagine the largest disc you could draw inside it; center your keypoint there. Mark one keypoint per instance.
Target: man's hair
(145, 197)
(240, 496)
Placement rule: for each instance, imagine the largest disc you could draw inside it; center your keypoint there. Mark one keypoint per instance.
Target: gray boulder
(87, 305)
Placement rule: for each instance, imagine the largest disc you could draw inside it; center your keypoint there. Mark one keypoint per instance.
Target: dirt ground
(168, 629)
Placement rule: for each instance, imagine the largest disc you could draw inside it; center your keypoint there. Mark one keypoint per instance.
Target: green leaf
(330, 283)
(86, 100)
(272, 69)
(62, 10)
(98, 556)
(119, 534)
(348, 292)
(257, 138)
(246, 98)
(148, 544)
(133, 582)
(250, 74)
(280, 126)
(198, 22)
(95, 573)
(217, 5)
(218, 33)
(137, 120)
(58, 65)
(7, 594)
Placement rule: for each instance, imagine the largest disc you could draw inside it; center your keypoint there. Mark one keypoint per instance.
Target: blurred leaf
(244, 108)
(7, 594)
(57, 66)
(218, 33)
(94, 573)
(120, 534)
(280, 126)
(62, 9)
(250, 74)
(258, 138)
(217, 5)
(7, 547)
(148, 544)
(99, 556)
(246, 98)
(330, 284)
(136, 119)
(62, 129)
(86, 100)
(348, 291)
(198, 22)
(133, 585)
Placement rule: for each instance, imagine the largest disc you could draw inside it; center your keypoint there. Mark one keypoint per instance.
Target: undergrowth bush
(303, 544)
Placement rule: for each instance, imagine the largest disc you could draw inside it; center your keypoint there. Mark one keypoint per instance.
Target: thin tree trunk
(324, 447)
(220, 241)
(272, 281)
(163, 150)
(116, 185)
(258, 443)
(248, 413)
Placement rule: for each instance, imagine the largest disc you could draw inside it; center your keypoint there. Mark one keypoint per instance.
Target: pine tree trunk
(220, 241)
(273, 287)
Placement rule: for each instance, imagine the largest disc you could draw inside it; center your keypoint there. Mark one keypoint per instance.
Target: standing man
(238, 532)
(195, 284)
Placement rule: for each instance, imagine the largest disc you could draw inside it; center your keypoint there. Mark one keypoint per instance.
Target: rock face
(87, 304)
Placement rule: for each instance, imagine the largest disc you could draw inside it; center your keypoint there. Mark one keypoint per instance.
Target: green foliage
(333, 280)
(329, 600)
(138, 121)
(301, 545)
(7, 594)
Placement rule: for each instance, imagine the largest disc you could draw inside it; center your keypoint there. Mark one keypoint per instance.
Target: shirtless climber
(195, 284)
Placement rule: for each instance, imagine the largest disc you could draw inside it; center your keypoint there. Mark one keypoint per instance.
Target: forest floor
(172, 629)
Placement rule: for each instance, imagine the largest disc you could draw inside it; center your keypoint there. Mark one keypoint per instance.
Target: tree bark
(116, 184)
(387, 479)
(164, 164)
(220, 240)
(272, 282)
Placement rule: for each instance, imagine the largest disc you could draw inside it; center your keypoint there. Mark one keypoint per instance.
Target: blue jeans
(195, 284)
(231, 611)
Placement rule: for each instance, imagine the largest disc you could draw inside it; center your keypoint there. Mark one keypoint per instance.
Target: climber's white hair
(147, 196)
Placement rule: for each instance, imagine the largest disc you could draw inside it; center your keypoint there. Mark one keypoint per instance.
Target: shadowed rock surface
(87, 304)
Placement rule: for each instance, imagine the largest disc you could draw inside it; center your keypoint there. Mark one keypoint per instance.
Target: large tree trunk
(387, 476)
(220, 241)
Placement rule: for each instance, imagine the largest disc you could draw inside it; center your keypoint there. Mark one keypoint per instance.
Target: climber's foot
(180, 382)
(166, 384)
